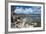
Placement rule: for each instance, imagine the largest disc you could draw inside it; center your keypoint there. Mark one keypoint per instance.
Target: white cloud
(21, 10)
(30, 10)
(17, 7)
(17, 10)
(27, 9)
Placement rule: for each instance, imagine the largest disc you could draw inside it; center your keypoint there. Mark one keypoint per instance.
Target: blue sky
(26, 9)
